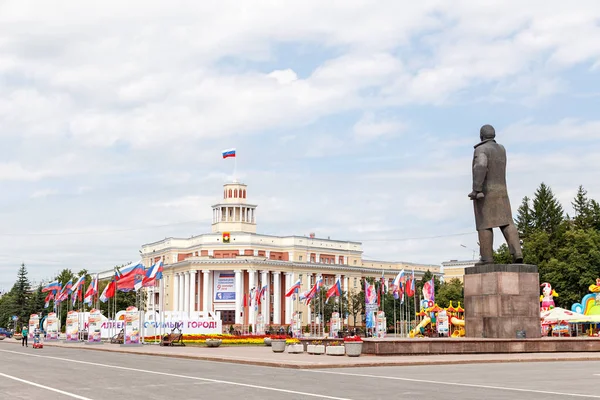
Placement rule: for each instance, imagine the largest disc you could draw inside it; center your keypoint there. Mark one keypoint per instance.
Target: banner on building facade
(132, 325)
(51, 327)
(34, 322)
(224, 286)
(94, 326)
(72, 329)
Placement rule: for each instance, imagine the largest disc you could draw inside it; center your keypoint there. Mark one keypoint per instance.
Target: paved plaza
(61, 373)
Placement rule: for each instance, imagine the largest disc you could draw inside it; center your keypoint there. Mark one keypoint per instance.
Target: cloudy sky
(352, 119)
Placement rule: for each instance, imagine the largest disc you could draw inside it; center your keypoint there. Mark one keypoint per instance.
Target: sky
(354, 120)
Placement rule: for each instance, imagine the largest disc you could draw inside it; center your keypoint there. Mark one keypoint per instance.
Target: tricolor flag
(410, 285)
(294, 289)
(108, 292)
(228, 153)
(130, 276)
(52, 287)
(335, 290)
(78, 282)
(399, 279)
(76, 295)
(153, 274)
(314, 290)
(92, 290)
(49, 297)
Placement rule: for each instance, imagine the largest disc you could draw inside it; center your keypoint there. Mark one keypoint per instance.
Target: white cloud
(44, 193)
(369, 127)
(125, 106)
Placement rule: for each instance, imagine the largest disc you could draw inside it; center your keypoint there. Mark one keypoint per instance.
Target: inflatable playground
(582, 320)
(435, 321)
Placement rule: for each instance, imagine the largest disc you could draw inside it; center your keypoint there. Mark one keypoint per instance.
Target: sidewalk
(264, 356)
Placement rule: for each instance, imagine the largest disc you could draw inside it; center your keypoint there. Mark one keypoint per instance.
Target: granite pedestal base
(502, 301)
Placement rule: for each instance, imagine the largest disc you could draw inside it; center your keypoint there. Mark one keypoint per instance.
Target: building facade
(456, 269)
(218, 271)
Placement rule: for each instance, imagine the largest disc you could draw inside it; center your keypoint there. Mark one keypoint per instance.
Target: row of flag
(131, 277)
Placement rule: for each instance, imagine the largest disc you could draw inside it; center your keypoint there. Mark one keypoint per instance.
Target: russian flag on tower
(228, 153)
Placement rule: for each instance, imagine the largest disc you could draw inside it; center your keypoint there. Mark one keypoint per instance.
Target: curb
(289, 365)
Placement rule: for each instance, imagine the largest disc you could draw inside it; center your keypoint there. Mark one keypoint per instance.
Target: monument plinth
(502, 301)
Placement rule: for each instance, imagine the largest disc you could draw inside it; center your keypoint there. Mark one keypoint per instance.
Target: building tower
(233, 214)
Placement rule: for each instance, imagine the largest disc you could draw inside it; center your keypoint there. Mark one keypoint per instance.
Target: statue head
(487, 132)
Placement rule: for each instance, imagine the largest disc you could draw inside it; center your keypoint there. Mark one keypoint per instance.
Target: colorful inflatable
(547, 297)
(590, 304)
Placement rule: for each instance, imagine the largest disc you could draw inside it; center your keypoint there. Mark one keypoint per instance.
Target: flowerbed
(229, 339)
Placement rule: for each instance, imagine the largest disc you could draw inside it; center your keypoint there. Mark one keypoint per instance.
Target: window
(235, 193)
(299, 258)
(228, 316)
(354, 262)
(229, 192)
(355, 280)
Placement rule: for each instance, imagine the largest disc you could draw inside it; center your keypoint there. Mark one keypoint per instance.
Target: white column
(277, 298)
(251, 285)
(238, 296)
(181, 292)
(205, 305)
(289, 280)
(186, 291)
(192, 292)
(175, 299)
(265, 305)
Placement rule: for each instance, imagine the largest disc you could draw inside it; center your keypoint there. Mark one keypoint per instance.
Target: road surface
(58, 373)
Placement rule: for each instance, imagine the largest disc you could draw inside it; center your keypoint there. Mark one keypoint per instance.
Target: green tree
(584, 214)
(356, 305)
(21, 293)
(524, 219)
(548, 214)
(452, 290)
(36, 302)
(502, 255)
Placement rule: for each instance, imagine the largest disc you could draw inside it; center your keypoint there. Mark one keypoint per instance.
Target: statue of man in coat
(490, 197)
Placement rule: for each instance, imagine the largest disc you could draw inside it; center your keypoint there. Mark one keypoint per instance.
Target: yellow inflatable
(417, 329)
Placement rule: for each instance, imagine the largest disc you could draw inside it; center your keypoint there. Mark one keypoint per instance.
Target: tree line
(22, 299)
(565, 248)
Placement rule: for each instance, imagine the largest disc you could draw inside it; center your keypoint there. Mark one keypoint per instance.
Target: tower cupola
(233, 213)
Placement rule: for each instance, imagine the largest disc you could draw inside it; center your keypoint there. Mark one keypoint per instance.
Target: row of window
(234, 194)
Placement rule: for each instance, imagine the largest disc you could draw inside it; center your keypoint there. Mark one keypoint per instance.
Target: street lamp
(474, 251)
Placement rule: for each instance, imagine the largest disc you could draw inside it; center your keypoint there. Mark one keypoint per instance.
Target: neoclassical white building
(216, 271)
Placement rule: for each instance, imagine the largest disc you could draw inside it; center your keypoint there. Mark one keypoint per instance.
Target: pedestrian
(25, 333)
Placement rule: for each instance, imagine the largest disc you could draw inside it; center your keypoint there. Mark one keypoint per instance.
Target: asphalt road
(57, 373)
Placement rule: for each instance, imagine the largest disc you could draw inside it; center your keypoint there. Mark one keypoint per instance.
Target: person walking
(25, 333)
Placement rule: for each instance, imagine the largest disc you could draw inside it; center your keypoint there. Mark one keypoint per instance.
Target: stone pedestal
(502, 301)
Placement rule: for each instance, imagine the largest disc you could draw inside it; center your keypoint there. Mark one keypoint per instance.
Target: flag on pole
(51, 287)
(130, 277)
(49, 297)
(410, 285)
(228, 153)
(153, 274)
(108, 292)
(294, 289)
(335, 290)
(92, 290)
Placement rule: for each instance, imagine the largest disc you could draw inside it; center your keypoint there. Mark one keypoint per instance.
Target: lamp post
(468, 248)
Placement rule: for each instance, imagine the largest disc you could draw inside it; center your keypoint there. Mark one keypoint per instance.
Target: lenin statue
(490, 197)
